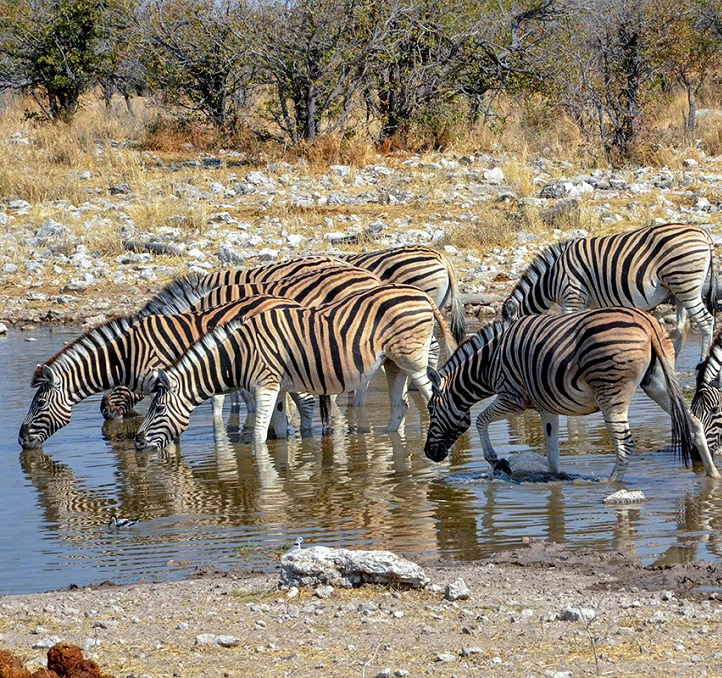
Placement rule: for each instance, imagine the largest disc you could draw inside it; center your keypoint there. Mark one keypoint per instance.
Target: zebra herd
(324, 326)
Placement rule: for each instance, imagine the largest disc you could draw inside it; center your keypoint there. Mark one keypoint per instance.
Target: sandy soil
(663, 621)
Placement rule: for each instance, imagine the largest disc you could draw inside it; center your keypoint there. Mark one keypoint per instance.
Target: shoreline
(519, 620)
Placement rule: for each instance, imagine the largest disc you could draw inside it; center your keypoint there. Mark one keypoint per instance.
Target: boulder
(346, 568)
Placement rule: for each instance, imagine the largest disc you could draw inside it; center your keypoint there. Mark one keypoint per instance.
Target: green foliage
(54, 49)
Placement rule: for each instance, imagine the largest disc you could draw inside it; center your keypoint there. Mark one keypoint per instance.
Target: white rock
(46, 643)
(494, 176)
(701, 204)
(267, 254)
(689, 162)
(468, 651)
(625, 497)
(457, 591)
(445, 657)
(324, 591)
(450, 249)
(18, 205)
(227, 641)
(90, 644)
(340, 170)
(3, 328)
(205, 639)
(295, 239)
(346, 568)
(9, 268)
(585, 614)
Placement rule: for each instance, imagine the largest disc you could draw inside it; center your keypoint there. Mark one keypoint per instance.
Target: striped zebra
(707, 401)
(571, 364)
(124, 351)
(328, 350)
(422, 267)
(315, 287)
(638, 269)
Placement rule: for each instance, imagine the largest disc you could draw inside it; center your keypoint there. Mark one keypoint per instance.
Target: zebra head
(118, 402)
(49, 411)
(707, 407)
(167, 416)
(445, 423)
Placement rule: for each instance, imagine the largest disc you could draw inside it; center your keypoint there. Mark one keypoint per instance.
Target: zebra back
(312, 288)
(422, 267)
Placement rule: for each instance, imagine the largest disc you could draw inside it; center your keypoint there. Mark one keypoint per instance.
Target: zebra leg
(397, 395)
(681, 326)
(304, 405)
(704, 321)
(217, 403)
(500, 408)
(615, 418)
(248, 400)
(550, 425)
(266, 397)
(279, 419)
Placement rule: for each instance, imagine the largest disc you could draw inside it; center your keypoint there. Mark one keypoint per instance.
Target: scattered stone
(119, 189)
(323, 591)
(445, 657)
(494, 176)
(584, 614)
(205, 639)
(468, 651)
(689, 162)
(340, 170)
(457, 591)
(227, 641)
(346, 568)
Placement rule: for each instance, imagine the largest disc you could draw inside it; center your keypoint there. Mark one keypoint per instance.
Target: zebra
(707, 401)
(422, 267)
(326, 350)
(315, 287)
(638, 269)
(125, 351)
(571, 364)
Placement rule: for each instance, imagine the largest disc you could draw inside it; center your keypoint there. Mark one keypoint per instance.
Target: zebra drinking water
(571, 364)
(329, 350)
(124, 351)
(638, 269)
(707, 401)
(315, 287)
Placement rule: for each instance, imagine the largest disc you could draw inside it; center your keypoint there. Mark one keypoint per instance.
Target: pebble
(468, 651)
(585, 614)
(46, 643)
(445, 657)
(458, 590)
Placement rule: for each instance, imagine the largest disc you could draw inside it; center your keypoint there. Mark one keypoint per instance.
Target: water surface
(212, 499)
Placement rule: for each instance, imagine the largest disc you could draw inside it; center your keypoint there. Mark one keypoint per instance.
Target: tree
(315, 54)
(608, 57)
(52, 49)
(193, 56)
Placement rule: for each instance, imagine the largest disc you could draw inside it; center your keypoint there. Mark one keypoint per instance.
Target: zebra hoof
(501, 466)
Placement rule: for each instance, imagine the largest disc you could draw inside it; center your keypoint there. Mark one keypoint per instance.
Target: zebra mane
(709, 368)
(68, 356)
(176, 296)
(540, 265)
(470, 346)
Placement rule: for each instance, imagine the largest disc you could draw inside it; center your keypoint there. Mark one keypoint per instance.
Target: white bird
(297, 544)
(119, 523)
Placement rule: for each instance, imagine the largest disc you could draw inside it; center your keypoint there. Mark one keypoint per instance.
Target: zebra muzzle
(28, 441)
(436, 452)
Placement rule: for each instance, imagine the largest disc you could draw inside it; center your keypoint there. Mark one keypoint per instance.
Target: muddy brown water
(214, 500)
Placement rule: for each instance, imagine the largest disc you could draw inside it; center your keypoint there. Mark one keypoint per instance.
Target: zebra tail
(712, 293)
(682, 430)
(324, 406)
(449, 338)
(458, 322)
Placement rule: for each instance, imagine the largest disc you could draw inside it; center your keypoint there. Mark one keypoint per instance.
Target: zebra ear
(435, 380)
(49, 376)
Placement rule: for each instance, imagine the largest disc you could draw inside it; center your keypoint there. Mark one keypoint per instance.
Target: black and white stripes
(637, 269)
(572, 364)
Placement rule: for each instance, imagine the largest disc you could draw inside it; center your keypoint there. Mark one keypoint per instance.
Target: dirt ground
(666, 622)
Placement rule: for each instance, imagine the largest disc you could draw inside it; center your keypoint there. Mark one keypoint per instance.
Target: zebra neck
(541, 284)
(468, 372)
(709, 369)
(212, 368)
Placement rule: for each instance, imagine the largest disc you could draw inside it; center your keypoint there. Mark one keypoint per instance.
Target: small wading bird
(296, 544)
(120, 523)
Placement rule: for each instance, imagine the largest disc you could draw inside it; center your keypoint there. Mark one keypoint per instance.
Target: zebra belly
(653, 294)
(330, 384)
